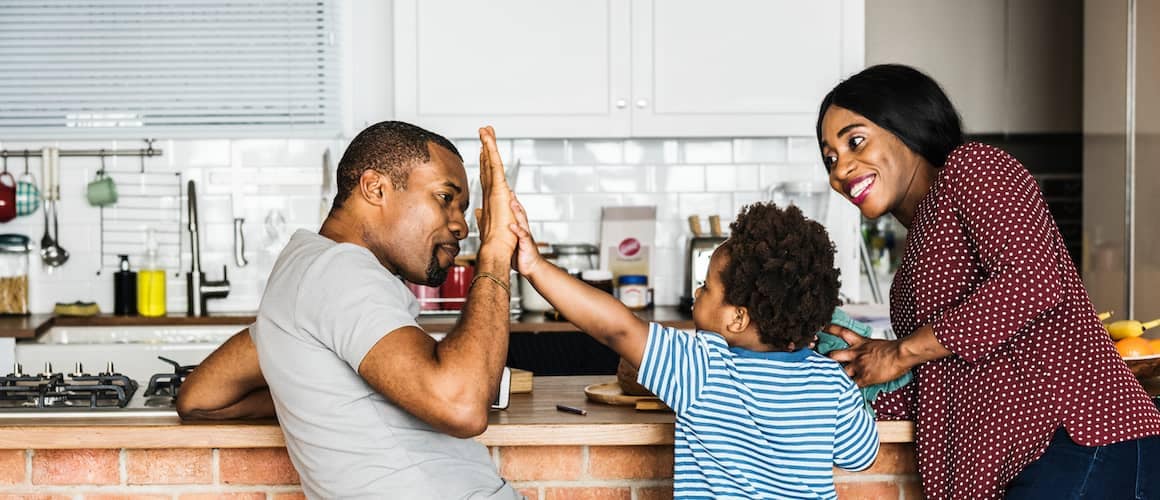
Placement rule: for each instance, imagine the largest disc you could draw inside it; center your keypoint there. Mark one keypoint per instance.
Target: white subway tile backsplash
(528, 180)
(706, 205)
(730, 177)
(680, 179)
(569, 232)
(567, 179)
(540, 151)
(759, 150)
(563, 184)
(625, 179)
(199, 153)
(651, 151)
(469, 149)
(666, 203)
(593, 151)
(742, 198)
(260, 152)
(587, 207)
(543, 207)
(804, 149)
(706, 151)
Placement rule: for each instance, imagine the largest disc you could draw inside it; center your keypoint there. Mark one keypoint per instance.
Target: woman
(1018, 389)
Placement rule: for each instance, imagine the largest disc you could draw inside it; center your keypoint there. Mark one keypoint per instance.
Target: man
(370, 405)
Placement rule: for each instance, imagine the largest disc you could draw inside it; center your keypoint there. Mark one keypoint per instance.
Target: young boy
(758, 413)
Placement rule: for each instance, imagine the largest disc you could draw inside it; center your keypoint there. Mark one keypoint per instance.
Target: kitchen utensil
(27, 192)
(453, 291)
(240, 243)
(7, 195)
(51, 252)
(101, 191)
(324, 205)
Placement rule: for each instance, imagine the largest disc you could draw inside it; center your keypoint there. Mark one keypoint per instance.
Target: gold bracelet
(492, 277)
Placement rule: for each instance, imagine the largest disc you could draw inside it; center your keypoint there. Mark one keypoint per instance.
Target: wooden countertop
(31, 326)
(530, 420)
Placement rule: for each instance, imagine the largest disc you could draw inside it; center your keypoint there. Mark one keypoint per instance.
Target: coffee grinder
(701, 247)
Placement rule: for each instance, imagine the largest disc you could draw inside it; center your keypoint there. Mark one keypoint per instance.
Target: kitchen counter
(530, 420)
(33, 325)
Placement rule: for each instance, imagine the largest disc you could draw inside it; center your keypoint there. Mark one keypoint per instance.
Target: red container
(428, 296)
(454, 289)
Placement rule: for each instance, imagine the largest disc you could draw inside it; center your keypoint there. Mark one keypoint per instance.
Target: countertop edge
(269, 435)
(31, 326)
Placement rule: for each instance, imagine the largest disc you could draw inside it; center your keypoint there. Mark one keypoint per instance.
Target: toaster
(697, 258)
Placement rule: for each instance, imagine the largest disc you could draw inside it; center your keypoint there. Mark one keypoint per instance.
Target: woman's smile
(859, 188)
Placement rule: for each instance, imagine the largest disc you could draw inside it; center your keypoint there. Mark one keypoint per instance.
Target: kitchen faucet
(197, 288)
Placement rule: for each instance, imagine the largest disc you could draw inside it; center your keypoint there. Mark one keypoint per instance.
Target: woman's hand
(527, 258)
(869, 361)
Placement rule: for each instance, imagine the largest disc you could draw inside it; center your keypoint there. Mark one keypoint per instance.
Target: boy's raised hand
(527, 258)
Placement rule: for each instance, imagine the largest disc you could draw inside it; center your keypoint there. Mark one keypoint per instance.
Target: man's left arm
(227, 385)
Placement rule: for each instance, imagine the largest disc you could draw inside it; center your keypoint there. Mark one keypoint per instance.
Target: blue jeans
(1069, 471)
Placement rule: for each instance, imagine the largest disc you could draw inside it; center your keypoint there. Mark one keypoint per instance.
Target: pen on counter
(571, 409)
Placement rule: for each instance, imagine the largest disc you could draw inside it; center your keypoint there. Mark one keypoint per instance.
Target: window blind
(170, 68)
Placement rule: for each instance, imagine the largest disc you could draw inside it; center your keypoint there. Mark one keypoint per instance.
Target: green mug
(102, 191)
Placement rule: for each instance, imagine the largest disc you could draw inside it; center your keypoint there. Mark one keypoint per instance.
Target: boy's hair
(781, 268)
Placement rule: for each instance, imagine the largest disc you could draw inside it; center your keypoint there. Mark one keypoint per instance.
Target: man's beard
(435, 275)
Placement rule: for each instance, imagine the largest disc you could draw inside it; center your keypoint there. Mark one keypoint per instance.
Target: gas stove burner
(50, 389)
(164, 387)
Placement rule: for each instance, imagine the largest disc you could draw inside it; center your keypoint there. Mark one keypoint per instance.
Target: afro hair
(781, 268)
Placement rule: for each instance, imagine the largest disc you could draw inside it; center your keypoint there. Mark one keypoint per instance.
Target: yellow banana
(1105, 315)
(1126, 328)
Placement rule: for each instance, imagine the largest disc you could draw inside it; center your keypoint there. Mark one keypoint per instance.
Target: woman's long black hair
(905, 101)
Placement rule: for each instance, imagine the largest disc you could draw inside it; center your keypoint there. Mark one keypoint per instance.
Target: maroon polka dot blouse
(986, 265)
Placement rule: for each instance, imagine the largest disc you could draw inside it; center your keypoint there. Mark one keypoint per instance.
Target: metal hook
(102, 170)
(5, 154)
(25, 162)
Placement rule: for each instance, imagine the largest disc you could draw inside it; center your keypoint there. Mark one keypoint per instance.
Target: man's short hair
(391, 148)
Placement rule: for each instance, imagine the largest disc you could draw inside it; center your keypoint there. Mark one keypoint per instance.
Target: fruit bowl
(1144, 366)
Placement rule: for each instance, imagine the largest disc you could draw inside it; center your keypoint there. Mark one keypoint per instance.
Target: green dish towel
(827, 342)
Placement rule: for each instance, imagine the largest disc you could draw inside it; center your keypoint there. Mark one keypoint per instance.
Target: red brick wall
(540, 472)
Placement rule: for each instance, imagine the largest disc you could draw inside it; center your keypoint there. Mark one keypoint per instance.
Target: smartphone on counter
(505, 389)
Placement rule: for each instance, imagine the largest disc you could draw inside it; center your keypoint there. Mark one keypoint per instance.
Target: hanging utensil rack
(120, 228)
(146, 152)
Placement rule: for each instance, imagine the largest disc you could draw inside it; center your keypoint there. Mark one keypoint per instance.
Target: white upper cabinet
(622, 68)
(739, 67)
(532, 68)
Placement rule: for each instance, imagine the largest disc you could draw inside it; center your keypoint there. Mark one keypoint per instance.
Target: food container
(632, 290)
(14, 266)
(576, 257)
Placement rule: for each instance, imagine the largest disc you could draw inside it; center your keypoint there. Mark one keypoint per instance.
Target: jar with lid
(598, 278)
(632, 289)
(14, 266)
(576, 257)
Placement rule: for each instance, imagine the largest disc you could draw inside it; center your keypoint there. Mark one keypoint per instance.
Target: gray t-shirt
(325, 306)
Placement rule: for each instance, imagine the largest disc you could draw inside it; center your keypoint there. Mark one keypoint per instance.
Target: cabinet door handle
(642, 103)
(621, 103)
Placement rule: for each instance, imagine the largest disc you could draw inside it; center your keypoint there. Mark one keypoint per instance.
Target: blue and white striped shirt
(756, 424)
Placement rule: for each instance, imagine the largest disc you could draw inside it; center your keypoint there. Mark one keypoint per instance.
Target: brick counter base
(540, 472)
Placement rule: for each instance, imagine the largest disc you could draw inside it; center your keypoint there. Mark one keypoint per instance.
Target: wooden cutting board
(610, 393)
